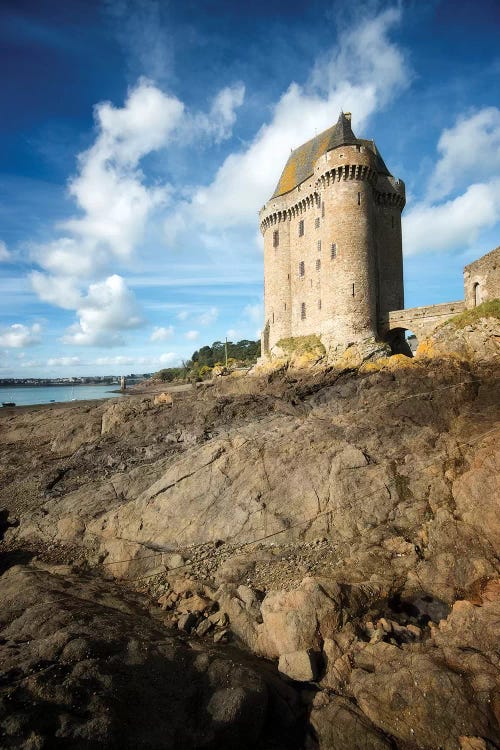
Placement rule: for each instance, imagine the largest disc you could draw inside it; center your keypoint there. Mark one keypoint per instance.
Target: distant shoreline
(56, 385)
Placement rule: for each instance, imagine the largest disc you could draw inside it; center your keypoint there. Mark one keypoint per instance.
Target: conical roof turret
(300, 164)
(342, 134)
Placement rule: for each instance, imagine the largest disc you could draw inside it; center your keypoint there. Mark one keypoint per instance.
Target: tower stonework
(333, 262)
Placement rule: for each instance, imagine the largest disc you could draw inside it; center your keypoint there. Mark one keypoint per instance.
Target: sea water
(41, 394)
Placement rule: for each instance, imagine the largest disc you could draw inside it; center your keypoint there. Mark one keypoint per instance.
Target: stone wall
(422, 321)
(482, 279)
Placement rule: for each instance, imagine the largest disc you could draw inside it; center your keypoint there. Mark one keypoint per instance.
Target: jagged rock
(299, 665)
(194, 603)
(337, 662)
(221, 636)
(299, 619)
(86, 665)
(219, 618)
(186, 622)
(204, 627)
(384, 465)
(417, 698)
(163, 399)
(340, 724)
(478, 342)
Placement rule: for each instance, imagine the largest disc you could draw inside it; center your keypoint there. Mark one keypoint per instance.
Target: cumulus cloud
(107, 309)
(161, 333)
(57, 290)
(454, 224)
(361, 74)
(115, 204)
(109, 188)
(4, 253)
(208, 317)
(18, 335)
(468, 150)
(191, 335)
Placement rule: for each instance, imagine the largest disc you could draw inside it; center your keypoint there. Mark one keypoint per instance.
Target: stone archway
(476, 291)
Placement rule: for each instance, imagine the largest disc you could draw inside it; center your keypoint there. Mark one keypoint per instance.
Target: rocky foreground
(287, 560)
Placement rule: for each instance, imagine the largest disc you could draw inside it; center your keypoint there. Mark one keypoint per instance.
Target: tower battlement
(332, 242)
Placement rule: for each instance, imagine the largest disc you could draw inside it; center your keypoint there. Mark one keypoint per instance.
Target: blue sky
(140, 138)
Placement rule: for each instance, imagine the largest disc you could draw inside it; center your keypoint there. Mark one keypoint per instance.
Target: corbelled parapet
(332, 241)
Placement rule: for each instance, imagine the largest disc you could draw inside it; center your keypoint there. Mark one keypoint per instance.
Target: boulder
(299, 665)
(163, 399)
(298, 620)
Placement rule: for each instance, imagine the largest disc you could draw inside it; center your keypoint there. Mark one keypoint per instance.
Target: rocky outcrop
(467, 336)
(341, 524)
(84, 665)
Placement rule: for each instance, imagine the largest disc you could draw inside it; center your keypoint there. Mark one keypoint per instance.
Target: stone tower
(333, 263)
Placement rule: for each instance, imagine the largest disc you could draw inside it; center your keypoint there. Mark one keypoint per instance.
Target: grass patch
(489, 309)
(302, 345)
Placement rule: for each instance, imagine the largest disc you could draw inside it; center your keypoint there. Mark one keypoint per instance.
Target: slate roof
(300, 164)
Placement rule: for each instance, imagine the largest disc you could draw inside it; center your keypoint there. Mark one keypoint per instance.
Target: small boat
(8, 403)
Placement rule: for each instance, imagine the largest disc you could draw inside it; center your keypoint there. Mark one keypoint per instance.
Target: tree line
(243, 353)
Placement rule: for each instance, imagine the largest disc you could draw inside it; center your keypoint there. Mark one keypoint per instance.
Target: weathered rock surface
(84, 666)
(350, 520)
(480, 341)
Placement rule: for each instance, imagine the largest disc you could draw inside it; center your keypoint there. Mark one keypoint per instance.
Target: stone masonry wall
(482, 279)
(309, 289)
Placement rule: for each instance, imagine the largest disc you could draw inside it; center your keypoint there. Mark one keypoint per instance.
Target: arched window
(477, 294)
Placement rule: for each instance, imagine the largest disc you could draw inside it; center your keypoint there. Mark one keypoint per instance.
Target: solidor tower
(333, 263)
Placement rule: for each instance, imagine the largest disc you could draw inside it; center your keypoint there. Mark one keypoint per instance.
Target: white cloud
(191, 335)
(218, 122)
(108, 309)
(233, 334)
(4, 253)
(109, 188)
(161, 333)
(183, 315)
(361, 75)
(57, 290)
(114, 361)
(169, 358)
(468, 150)
(18, 335)
(208, 317)
(115, 204)
(455, 224)
(63, 361)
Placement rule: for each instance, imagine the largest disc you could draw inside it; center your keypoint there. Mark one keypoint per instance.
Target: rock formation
(342, 523)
